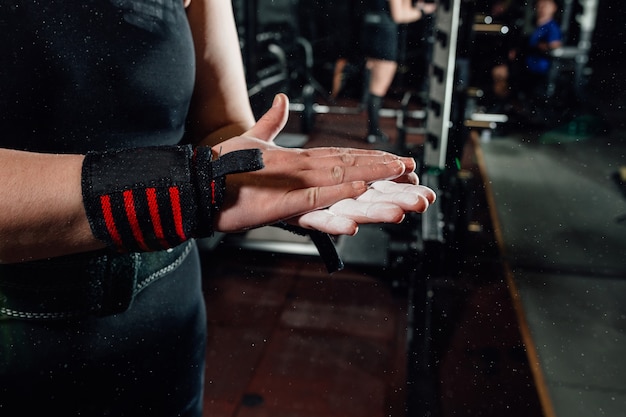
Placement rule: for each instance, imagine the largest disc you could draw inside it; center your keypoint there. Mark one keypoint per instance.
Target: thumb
(273, 121)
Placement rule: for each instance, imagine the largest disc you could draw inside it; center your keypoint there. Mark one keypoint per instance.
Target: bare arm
(547, 47)
(41, 207)
(220, 108)
(403, 11)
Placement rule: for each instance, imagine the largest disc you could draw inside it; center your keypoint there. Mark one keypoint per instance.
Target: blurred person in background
(379, 42)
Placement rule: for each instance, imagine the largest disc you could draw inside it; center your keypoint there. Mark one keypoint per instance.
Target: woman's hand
(297, 183)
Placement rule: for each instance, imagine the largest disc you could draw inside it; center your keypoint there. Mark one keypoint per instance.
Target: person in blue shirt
(536, 60)
(546, 37)
(529, 65)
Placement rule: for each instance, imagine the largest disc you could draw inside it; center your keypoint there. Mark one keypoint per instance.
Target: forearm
(41, 207)
(554, 45)
(220, 108)
(403, 11)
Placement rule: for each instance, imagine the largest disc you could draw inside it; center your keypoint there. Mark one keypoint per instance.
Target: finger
(368, 212)
(359, 156)
(330, 156)
(407, 201)
(324, 151)
(308, 171)
(326, 222)
(301, 201)
(394, 187)
(273, 121)
(408, 178)
(368, 173)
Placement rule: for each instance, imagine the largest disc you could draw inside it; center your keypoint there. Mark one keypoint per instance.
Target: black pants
(379, 37)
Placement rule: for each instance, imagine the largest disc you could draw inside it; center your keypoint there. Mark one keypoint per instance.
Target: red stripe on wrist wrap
(154, 198)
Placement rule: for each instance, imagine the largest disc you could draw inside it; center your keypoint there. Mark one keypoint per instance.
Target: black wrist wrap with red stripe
(154, 198)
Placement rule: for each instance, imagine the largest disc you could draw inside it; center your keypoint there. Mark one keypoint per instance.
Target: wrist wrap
(154, 198)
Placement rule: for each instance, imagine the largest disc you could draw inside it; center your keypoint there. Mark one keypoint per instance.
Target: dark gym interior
(504, 298)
